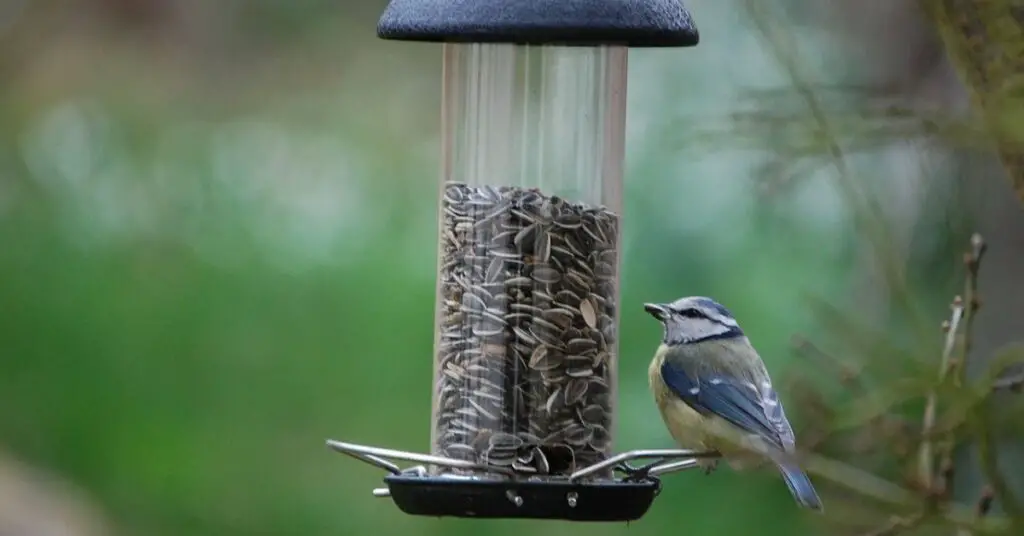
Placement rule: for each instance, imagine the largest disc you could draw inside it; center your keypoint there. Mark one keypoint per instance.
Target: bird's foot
(709, 465)
(639, 474)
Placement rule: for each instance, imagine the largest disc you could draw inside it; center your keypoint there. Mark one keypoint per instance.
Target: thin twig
(988, 454)
(972, 260)
(981, 508)
(848, 373)
(926, 457)
(987, 448)
(867, 212)
(984, 505)
(866, 484)
(860, 481)
(896, 525)
(951, 368)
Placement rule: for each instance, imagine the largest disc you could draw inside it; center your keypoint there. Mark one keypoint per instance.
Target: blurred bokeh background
(217, 249)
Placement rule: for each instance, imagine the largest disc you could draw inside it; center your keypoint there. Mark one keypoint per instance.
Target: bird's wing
(752, 408)
(777, 416)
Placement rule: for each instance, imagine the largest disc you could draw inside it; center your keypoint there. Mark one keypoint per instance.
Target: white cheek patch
(702, 328)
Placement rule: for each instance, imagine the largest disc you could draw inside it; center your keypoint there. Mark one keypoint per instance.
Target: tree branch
(896, 525)
(951, 369)
(926, 458)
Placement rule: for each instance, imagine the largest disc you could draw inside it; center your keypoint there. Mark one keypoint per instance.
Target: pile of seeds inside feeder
(528, 297)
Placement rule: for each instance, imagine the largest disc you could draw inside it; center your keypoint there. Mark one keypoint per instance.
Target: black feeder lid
(634, 23)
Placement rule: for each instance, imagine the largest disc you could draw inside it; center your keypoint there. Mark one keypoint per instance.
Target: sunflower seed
(546, 274)
(589, 312)
(575, 390)
(527, 330)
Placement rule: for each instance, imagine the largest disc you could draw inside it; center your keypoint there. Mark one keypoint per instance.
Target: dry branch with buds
(929, 499)
(946, 420)
(937, 480)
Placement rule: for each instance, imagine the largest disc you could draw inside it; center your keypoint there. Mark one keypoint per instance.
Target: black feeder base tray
(509, 494)
(493, 499)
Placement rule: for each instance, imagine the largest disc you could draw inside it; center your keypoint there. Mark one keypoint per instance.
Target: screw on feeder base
(516, 499)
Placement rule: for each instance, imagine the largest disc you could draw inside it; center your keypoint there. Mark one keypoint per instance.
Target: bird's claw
(639, 474)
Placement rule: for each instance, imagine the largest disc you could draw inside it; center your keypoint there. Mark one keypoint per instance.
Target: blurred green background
(217, 250)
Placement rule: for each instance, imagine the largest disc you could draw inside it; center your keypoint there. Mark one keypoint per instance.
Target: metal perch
(681, 460)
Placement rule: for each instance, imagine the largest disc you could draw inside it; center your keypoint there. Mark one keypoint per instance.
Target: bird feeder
(529, 248)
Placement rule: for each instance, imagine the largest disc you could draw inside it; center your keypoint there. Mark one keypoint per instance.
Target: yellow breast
(688, 428)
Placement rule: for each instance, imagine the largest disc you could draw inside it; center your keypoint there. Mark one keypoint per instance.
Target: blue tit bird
(706, 374)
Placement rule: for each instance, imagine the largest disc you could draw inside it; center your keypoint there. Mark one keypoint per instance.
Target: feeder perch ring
(505, 493)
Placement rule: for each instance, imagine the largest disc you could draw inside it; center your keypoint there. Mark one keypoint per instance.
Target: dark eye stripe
(692, 313)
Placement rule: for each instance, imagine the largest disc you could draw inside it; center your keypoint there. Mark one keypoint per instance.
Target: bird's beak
(657, 311)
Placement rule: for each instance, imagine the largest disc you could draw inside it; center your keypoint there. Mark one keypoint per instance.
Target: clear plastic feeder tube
(526, 348)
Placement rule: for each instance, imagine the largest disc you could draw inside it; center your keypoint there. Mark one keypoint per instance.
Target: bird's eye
(691, 313)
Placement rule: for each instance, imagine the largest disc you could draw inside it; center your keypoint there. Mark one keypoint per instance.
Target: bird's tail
(800, 486)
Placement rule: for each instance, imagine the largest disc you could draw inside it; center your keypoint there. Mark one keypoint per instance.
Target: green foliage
(193, 296)
(188, 378)
(185, 363)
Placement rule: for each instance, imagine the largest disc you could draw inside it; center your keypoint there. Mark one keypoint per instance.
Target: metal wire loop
(666, 461)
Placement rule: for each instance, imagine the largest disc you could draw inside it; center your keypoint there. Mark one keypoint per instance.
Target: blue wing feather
(753, 409)
(735, 401)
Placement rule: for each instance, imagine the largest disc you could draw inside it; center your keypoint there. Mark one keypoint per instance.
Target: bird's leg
(707, 461)
(709, 465)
